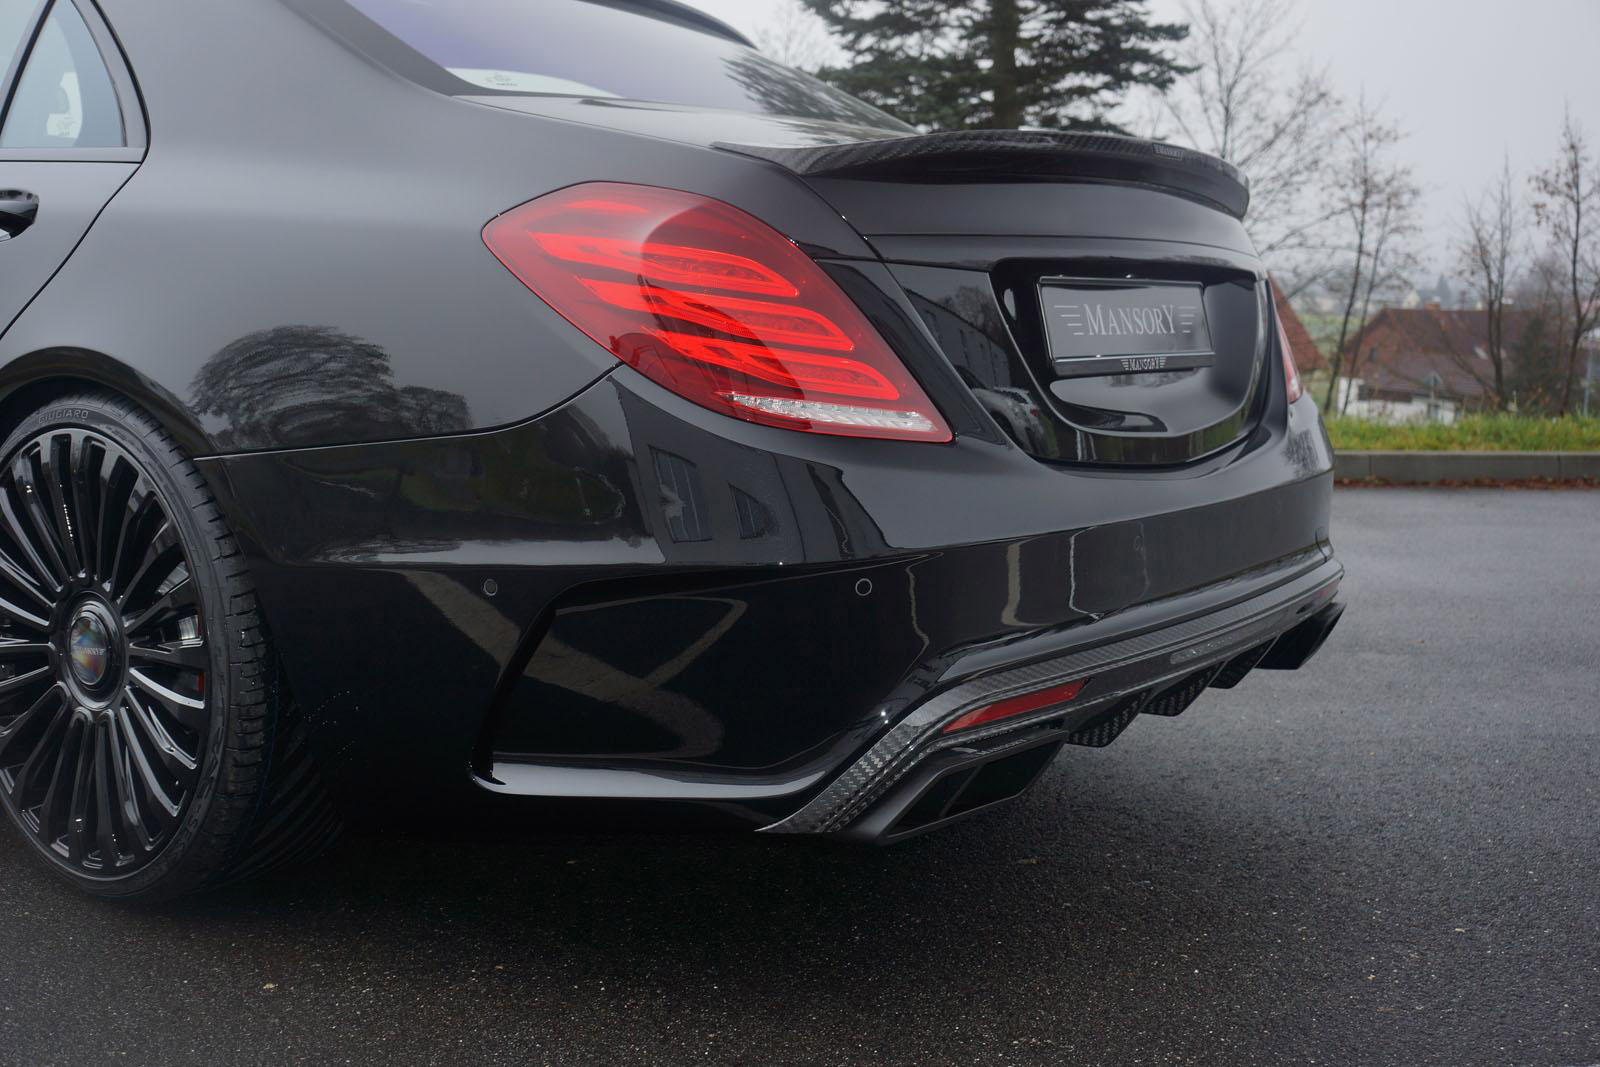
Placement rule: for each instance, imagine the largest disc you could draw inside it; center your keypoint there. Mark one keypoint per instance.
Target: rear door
(71, 133)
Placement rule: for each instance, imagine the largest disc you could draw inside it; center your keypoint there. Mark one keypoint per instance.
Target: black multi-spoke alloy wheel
(142, 749)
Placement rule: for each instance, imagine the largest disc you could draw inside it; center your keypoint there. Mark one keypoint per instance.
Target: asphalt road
(1391, 857)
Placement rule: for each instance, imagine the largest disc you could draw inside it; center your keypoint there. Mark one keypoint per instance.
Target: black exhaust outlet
(948, 787)
(1294, 649)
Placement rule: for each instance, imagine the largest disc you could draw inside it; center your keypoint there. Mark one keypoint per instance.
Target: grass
(1472, 433)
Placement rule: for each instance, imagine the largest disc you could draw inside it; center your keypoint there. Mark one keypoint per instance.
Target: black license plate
(1108, 327)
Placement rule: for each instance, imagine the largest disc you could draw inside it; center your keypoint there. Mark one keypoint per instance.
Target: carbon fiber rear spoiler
(1000, 155)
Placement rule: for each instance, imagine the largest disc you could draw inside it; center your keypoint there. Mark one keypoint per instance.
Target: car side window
(64, 97)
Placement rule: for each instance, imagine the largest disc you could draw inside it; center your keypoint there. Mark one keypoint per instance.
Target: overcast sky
(1469, 80)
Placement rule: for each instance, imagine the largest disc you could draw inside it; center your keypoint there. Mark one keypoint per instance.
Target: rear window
(594, 48)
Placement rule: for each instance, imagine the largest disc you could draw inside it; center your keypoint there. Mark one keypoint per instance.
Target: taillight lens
(1019, 705)
(1291, 373)
(715, 305)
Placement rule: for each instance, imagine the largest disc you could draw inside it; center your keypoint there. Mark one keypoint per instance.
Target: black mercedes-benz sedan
(514, 410)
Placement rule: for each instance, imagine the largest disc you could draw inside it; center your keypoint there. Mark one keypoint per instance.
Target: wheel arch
(32, 381)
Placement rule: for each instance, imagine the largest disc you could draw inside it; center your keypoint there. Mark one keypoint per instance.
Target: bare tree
(1388, 271)
(1489, 250)
(1537, 368)
(1241, 102)
(1567, 206)
(796, 38)
(1374, 201)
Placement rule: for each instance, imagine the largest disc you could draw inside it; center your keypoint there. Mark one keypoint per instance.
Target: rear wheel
(142, 749)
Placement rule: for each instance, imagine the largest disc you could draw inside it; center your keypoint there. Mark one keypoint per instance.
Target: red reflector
(1019, 705)
(1291, 373)
(716, 306)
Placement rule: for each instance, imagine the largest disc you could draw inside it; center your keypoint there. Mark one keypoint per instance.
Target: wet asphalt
(1390, 857)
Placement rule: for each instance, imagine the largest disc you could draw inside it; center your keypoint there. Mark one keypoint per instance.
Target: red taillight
(1291, 373)
(715, 305)
(1021, 705)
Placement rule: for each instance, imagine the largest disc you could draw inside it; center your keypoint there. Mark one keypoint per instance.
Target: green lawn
(1474, 433)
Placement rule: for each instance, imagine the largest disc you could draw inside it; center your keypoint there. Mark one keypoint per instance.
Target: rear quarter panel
(298, 261)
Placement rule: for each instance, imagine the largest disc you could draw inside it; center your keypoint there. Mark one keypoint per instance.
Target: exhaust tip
(960, 786)
(1294, 649)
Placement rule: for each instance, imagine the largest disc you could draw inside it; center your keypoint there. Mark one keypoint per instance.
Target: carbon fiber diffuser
(1175, 699)
(1106, 729)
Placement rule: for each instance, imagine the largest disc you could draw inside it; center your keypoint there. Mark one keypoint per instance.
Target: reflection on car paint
(295, 385)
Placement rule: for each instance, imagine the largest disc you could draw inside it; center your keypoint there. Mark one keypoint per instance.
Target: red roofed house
(1423, 364)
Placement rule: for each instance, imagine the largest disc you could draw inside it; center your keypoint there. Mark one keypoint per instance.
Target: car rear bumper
(631, 599)
(1126, 671)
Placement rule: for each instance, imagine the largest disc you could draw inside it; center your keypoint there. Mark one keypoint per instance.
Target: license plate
(1115, 327)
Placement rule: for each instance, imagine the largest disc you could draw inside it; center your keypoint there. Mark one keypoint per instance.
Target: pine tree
(1000, 64)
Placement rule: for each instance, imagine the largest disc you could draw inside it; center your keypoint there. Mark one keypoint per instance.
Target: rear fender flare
(35, 379)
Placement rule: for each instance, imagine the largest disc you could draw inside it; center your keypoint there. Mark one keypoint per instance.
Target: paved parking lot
(1392, 857)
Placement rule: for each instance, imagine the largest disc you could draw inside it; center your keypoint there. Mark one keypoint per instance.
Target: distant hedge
(1472, 433)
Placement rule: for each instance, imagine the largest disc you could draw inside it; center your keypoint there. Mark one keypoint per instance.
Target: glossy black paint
(75, 193)
(481, 543)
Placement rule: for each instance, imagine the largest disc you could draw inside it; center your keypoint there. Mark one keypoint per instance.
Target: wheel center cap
(89, 649)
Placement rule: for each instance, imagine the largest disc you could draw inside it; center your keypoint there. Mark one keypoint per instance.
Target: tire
(146, 749)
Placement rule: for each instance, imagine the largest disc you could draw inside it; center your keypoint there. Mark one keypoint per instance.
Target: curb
(1421, 468)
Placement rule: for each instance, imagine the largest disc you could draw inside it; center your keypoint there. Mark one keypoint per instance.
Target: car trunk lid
(1096, 293)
